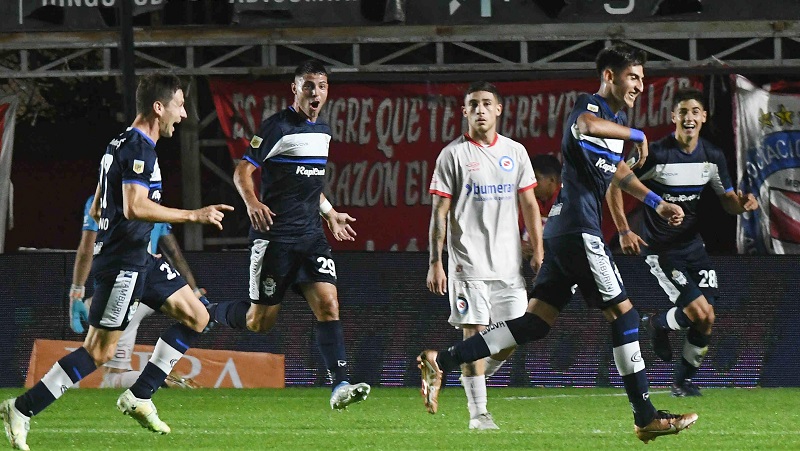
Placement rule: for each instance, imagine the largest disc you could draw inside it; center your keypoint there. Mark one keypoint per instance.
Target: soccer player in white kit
(481, 182)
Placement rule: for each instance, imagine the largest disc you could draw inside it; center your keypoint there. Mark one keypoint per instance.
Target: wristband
(80, 290)
(652, 199)
(637, 136)
(624, 232)
(325, 207)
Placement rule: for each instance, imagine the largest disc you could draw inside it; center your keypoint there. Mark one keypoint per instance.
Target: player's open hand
(747, 201)
(631, 243)
(340, 226)
(212, 214)
(437, 280)
(671, 212)
(260, 216)
(641, 148)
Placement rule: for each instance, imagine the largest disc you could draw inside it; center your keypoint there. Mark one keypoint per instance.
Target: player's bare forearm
(83, 258)
(736, 203)
(243, 180)
(94, 210)
(136, 205)
(627, 181)
(532, 218)
(591, 125)
(617, 207)
(438, 227)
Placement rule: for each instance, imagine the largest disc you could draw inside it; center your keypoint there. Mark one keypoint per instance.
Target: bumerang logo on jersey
(500, 191)
(308, 172)
(680, 197)
(605, 165)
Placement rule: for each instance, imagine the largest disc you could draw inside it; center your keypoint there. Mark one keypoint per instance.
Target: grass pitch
(395, 419)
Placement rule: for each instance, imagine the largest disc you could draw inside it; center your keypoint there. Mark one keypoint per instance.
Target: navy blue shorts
(583, 260)
(274, 267)
(685, 274)
(117, 293)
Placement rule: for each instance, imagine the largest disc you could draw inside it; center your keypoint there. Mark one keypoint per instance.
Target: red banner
(387, 137)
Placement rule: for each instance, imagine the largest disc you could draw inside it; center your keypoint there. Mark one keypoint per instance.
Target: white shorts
(483, 302)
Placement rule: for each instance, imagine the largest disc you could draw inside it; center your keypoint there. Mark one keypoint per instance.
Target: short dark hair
(155, 87)
(619, 56)
(547, 165)
(689, 93)
(310, 67)
(483, 86)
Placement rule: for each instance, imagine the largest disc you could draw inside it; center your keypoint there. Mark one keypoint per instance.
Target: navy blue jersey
(680, 177)
(292, 153)
(589, 165)
(122, 243)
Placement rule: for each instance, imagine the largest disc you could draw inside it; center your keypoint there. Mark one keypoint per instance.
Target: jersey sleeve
(89, 224)
(137, 163)
(443, 178)
(610, 149)
(527, 178)
(720, 180)
(262, 143)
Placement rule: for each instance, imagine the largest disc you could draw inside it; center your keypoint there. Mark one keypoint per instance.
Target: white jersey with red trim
(482, 183)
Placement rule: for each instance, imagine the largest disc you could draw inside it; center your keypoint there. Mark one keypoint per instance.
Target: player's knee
(527, 328)
(328, 308)
(260, 324)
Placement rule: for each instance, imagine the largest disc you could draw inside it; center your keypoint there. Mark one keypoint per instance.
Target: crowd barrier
(389, 316)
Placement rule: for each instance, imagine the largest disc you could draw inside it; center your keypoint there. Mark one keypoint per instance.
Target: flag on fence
(768, 153)
(8, 110)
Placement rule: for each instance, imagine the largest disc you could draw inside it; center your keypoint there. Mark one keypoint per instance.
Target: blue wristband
(637, 136)
(652, 199)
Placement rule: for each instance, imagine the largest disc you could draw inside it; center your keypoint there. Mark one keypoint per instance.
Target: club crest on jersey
(268, 286)
(461, 304)
(138, 166)
(256, 142)
(678, 277)
(506, 163)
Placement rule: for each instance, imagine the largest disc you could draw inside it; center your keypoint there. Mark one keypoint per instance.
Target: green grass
(394, 419)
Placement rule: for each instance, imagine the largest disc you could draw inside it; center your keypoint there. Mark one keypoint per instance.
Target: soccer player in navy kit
(125, 273)
(288, 246)
(679, 166)
(574, 252)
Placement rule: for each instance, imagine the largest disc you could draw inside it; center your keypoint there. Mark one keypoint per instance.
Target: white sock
(491, 366)
(120, 380)
(475, 388)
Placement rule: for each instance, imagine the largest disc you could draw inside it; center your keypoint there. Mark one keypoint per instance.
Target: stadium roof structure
(673, 46)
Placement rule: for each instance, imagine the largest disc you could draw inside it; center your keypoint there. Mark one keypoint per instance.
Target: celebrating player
(679, 166)
(574, 251)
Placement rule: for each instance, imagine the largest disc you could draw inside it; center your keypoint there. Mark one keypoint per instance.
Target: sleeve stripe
(137, 182)
(441, 193)
(252, 161)
(526, 188)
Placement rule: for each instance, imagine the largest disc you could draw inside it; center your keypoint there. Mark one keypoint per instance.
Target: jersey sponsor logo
(117, 142)
(256, 142)
(308, 172)
(603, 164)
(500, 191)
(506, 163)
(138, 166)
(680, 197)
(461, 304)
(679, 277)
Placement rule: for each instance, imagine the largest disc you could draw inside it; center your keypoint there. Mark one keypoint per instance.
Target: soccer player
(547, 170)
(117, 372)
(480, 183)
(125, 273)
(574, 251)
(288, 246)
(679, 166)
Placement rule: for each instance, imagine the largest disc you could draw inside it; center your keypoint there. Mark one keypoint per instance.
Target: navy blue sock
(330, 339)
(695, 349)
(232, 314)
(660, 320)
(70, 369)
(174, 342)
(630, 365)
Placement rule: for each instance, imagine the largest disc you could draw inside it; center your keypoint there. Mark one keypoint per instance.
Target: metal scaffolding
(520, 51)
